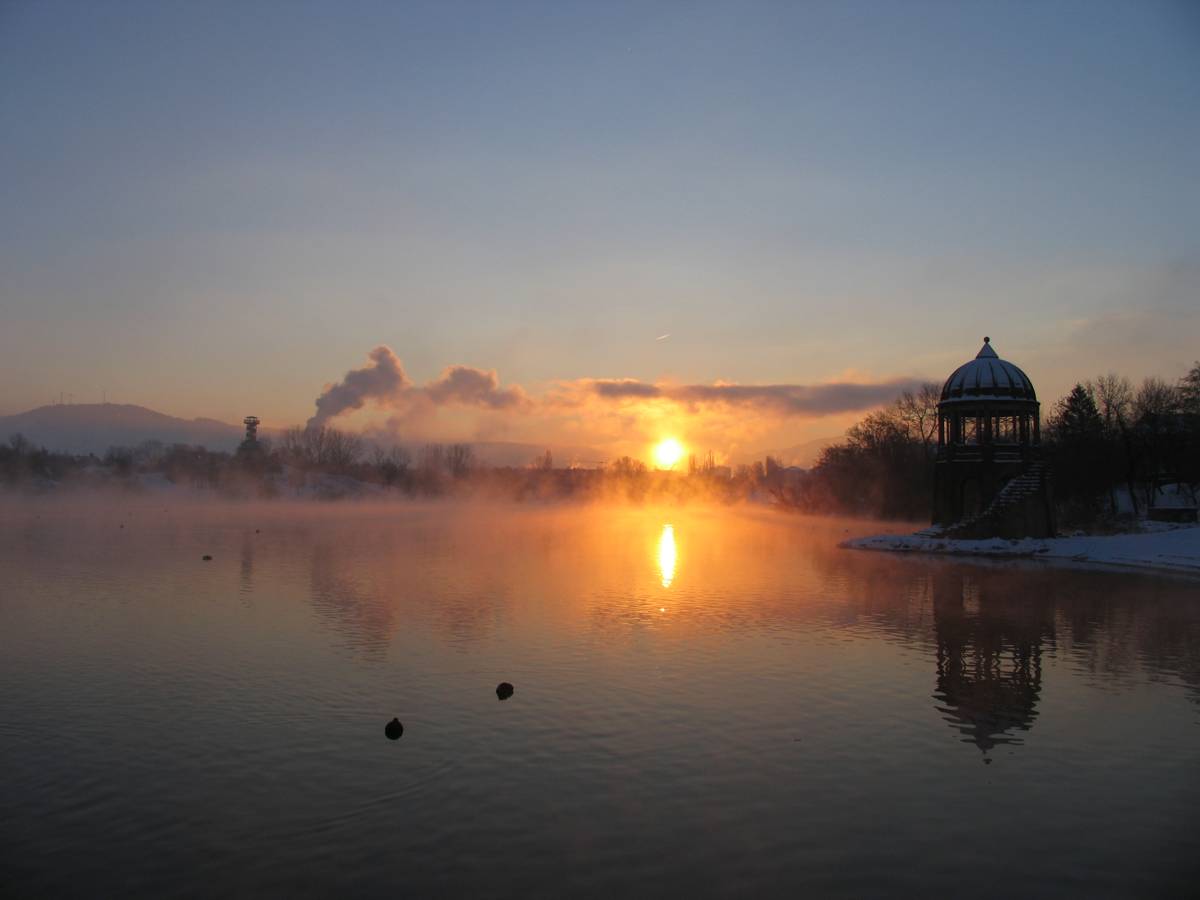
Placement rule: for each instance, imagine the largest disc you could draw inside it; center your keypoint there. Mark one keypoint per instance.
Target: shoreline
(1170, 550)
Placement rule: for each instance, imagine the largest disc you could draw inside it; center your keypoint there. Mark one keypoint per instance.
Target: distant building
(990, 479)
(250, 451)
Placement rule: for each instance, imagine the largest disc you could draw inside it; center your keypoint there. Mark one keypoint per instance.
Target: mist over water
(708, 701)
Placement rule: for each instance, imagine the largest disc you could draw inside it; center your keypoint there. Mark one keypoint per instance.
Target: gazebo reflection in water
(989, 660)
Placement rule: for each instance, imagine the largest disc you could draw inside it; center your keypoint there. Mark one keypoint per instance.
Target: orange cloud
(784, 399)
(614, 415)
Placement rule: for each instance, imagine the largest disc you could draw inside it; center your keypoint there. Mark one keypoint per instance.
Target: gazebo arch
(989, 435)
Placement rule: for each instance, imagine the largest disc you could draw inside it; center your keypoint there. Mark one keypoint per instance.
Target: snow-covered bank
(1169, 549)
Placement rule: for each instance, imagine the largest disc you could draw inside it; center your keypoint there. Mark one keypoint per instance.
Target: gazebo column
(988, 433)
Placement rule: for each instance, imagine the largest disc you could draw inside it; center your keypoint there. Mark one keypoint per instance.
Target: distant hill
(804, 455)
(94, 427)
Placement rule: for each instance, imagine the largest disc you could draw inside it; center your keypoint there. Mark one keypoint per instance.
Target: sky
(215, 209)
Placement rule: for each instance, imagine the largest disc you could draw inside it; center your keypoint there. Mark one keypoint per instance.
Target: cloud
(474, 387)
(784, 399)
(620, 415)
(382, 380)
(384, 383)
(623, 388)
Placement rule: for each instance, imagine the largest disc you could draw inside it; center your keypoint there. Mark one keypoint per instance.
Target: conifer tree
(1076, 418)
(1079, 448)
(1189, 391)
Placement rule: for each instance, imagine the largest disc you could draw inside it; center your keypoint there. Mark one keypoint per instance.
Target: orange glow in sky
(631, 299)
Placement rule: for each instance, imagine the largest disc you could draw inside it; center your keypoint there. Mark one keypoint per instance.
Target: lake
(707, 702)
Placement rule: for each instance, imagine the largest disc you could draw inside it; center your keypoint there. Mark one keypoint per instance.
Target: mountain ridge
(82, 428)
(94, 427)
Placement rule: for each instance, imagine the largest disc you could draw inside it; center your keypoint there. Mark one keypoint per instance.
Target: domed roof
(988, 377)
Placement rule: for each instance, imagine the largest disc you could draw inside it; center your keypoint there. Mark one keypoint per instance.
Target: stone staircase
(1026, 485)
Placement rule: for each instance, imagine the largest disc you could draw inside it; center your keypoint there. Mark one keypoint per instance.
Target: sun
(667, 453)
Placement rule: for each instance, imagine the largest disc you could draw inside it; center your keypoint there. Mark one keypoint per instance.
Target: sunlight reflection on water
(666, 555)
(171, 723)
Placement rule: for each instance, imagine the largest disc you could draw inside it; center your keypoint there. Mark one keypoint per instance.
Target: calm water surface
(707, 703)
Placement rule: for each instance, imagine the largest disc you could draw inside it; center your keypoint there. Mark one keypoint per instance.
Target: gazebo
(989, 478)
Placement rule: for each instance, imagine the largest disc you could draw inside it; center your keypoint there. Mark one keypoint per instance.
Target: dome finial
(986, 339)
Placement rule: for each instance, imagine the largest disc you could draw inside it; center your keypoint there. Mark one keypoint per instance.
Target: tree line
(325, 462)
(1115, 446)
(1112, 447)
(1111, 444)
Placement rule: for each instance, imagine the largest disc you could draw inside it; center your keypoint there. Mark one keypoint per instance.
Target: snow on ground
(1173, 549)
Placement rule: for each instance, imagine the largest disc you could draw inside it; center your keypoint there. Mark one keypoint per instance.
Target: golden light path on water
(666, 555)
(920, 684)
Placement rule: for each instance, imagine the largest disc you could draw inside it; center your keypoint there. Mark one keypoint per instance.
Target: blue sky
(210, 207)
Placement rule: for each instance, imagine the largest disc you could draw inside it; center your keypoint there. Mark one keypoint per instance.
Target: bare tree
(342, 449)
(1156, 398)
(291, 444)
(460, 458)
(433, 459)
(148, 453)
(918, 413)
(322, 446)
(1160, 432)
(392, 463)
(627, 467)
(1114, 397)
(303, 446)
